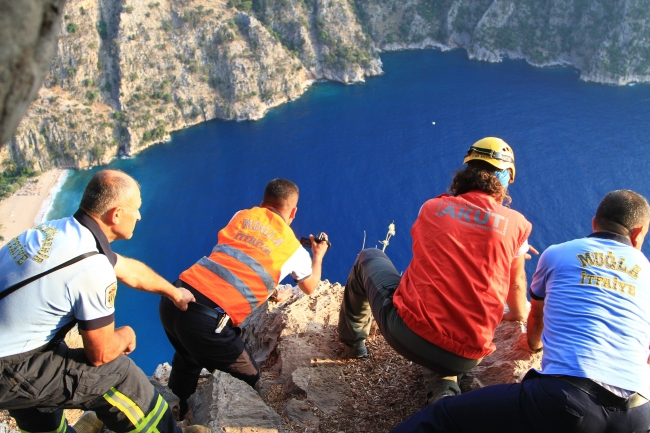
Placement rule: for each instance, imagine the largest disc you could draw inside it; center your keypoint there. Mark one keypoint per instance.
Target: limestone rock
(172, 400)
(605, 42)
(300, 412)
(298, 331)
(28, 31)
(230, 405)
(127, 73)
(305, 379)
(508, 363)
(162, 372)
(326, 386)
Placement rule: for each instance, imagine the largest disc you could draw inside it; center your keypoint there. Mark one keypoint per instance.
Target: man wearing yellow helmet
(468, 260)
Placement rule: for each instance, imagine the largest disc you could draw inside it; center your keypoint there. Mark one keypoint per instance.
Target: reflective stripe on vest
(245, 266)
(248, 261)
(233, 279)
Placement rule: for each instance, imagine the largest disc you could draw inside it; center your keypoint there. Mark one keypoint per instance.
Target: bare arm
(318, 250)
(517, 293)
(105, 344)
(535, 324)
(136, 274)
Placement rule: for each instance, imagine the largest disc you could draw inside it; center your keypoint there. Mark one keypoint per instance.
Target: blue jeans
(540, 404)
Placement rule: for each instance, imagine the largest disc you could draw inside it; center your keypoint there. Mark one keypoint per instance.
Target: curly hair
(479, 175)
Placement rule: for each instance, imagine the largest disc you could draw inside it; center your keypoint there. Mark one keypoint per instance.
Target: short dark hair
(105, 190)
(479, 176)
(621, 211)
(279, 191)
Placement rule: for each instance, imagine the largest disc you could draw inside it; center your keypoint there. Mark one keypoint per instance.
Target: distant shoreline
(29, 205)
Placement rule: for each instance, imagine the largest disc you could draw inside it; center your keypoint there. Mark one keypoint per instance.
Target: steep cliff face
(127, 72)
(609, 41)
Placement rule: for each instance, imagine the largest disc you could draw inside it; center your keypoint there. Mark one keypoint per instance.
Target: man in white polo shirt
(63, 273)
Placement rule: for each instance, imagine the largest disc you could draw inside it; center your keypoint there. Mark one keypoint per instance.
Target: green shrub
(223, 35)
(97, 152)
(13, 177)
(71, 28)
(166, 26)
(155, 134)
(102, 29)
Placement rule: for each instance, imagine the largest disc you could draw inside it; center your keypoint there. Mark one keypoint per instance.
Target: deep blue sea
(368, 154)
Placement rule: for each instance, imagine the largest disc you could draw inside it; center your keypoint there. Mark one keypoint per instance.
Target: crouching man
(63, 273)
(590, 304)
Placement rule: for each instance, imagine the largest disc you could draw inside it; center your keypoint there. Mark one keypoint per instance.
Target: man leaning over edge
(255, 251)
(64, 272)
(590, 304)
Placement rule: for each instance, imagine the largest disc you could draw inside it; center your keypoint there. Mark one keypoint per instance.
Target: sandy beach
(20, 211)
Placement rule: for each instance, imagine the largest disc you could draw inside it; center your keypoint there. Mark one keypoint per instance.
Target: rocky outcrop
(127, 73)
(307, 386)
(28, 31)
(608, 41)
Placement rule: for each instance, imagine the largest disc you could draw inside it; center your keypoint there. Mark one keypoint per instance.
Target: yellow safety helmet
(494, 151)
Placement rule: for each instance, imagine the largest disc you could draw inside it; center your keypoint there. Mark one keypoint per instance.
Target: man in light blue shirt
(590, 312)
(63, 273)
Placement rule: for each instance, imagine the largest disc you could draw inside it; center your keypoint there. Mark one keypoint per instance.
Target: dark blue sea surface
(365, 155)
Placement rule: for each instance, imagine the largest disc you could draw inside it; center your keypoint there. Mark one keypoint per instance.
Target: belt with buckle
(603, 395)
(222, 318)
(199, 308)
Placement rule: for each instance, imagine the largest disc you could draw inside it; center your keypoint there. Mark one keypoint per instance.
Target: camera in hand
(318, 237)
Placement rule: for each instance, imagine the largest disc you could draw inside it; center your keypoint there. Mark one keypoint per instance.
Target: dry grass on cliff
(386, 390)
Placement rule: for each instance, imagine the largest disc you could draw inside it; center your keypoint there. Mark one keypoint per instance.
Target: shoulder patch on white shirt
(111, 292)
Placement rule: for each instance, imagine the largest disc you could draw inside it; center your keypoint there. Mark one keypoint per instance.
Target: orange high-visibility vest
(244, 267)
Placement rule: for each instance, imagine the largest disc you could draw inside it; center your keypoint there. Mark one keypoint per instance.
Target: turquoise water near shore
(365, 155)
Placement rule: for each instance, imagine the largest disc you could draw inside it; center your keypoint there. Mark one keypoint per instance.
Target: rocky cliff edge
(306, 385)
(127, 73)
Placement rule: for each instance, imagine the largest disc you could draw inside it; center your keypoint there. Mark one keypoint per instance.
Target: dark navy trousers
(198, 346)
(37, 385)
(540, 404)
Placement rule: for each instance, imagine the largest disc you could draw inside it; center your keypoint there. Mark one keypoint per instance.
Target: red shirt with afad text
(454, 290)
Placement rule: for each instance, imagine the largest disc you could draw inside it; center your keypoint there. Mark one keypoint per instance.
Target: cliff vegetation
(127, 73)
